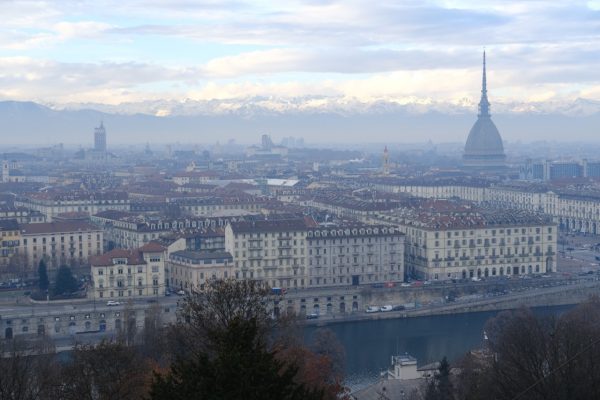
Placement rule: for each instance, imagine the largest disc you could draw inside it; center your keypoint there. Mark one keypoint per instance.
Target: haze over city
(299, 200)
(329, 71)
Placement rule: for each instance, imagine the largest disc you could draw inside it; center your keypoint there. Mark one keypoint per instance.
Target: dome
(484, 139)
(484, 148)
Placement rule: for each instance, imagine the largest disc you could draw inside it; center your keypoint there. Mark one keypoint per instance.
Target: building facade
(273, 251)
(60, 243)
(127, 274)
(193, 269)
(52, 204)
(477, 243)
(10, 242)
(354, 255)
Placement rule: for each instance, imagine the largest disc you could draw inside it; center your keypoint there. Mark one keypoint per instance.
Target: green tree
(43, 276)
(223, 349)
(440, 387)
(65, 282)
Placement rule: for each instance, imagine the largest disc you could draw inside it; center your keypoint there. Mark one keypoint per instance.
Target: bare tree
(27, 371)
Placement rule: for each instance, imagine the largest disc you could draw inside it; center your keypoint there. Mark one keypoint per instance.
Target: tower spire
(484, 104)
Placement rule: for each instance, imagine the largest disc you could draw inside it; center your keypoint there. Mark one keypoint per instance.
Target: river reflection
(370, 344)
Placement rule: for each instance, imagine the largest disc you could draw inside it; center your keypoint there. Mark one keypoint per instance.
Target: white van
(372, 309)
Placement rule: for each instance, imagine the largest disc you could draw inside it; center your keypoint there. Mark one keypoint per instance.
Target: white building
(355, 255)
(273, 251)
(193, 269)
(60, 243)
(123, 274)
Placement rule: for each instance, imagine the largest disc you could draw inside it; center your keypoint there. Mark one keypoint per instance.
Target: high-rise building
(5, 171)
(484, 149)
(386, 161)
(100, 138)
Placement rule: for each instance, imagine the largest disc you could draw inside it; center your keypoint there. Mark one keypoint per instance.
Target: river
(370, 344)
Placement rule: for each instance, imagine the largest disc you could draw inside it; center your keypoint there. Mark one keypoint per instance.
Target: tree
(225, 353)
(533, 357)
(43, 276)
(65, 282)
(440, 387)
(107, 371)
(26, 377)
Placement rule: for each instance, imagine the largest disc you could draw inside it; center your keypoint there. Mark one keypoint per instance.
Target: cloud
(323, 52)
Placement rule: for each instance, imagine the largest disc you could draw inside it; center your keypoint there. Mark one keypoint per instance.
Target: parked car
(181, 292)
(372, 309)
(312, 316)
(406, 284)
(113, 303)
(398, 307)
(386, 308)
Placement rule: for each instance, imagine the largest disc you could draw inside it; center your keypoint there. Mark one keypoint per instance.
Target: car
(312, 316)
(181, 292)
(167, 293)
(372, 309)
(113, 303)
(406, 284)
(427, 283)
(475, 279)
(398, 308)
(386, 308)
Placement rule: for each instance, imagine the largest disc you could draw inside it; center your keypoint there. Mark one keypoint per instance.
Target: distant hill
(32, 123)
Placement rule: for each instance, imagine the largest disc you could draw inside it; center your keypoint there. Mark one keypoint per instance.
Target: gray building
(484, 148)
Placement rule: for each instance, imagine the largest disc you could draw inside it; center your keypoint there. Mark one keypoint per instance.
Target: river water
(369, 345)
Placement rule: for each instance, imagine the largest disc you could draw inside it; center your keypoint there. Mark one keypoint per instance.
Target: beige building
(444, 243)
(54, 203)
(355, 255)
(10, 241)
(122, 274)
(273, 251)
(573, 210)
(192, 269)
(60, 243)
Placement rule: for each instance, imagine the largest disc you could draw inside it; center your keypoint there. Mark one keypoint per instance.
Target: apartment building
(354, 255)
(58, 202)
(270, 250)
(216, 206)
(573, 209)
(60, 243)
(123, 274)
(193, 269)
(466, 242)
(10, 241)
(128, 230)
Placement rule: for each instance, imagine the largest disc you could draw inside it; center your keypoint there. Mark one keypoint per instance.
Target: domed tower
(484, 149)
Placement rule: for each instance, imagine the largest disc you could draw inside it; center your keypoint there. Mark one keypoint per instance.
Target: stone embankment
(535, 297)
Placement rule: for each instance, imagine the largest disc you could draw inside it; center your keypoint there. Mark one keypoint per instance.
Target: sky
(301, 55)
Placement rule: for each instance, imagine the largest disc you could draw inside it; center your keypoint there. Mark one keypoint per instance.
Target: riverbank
(538, 297)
